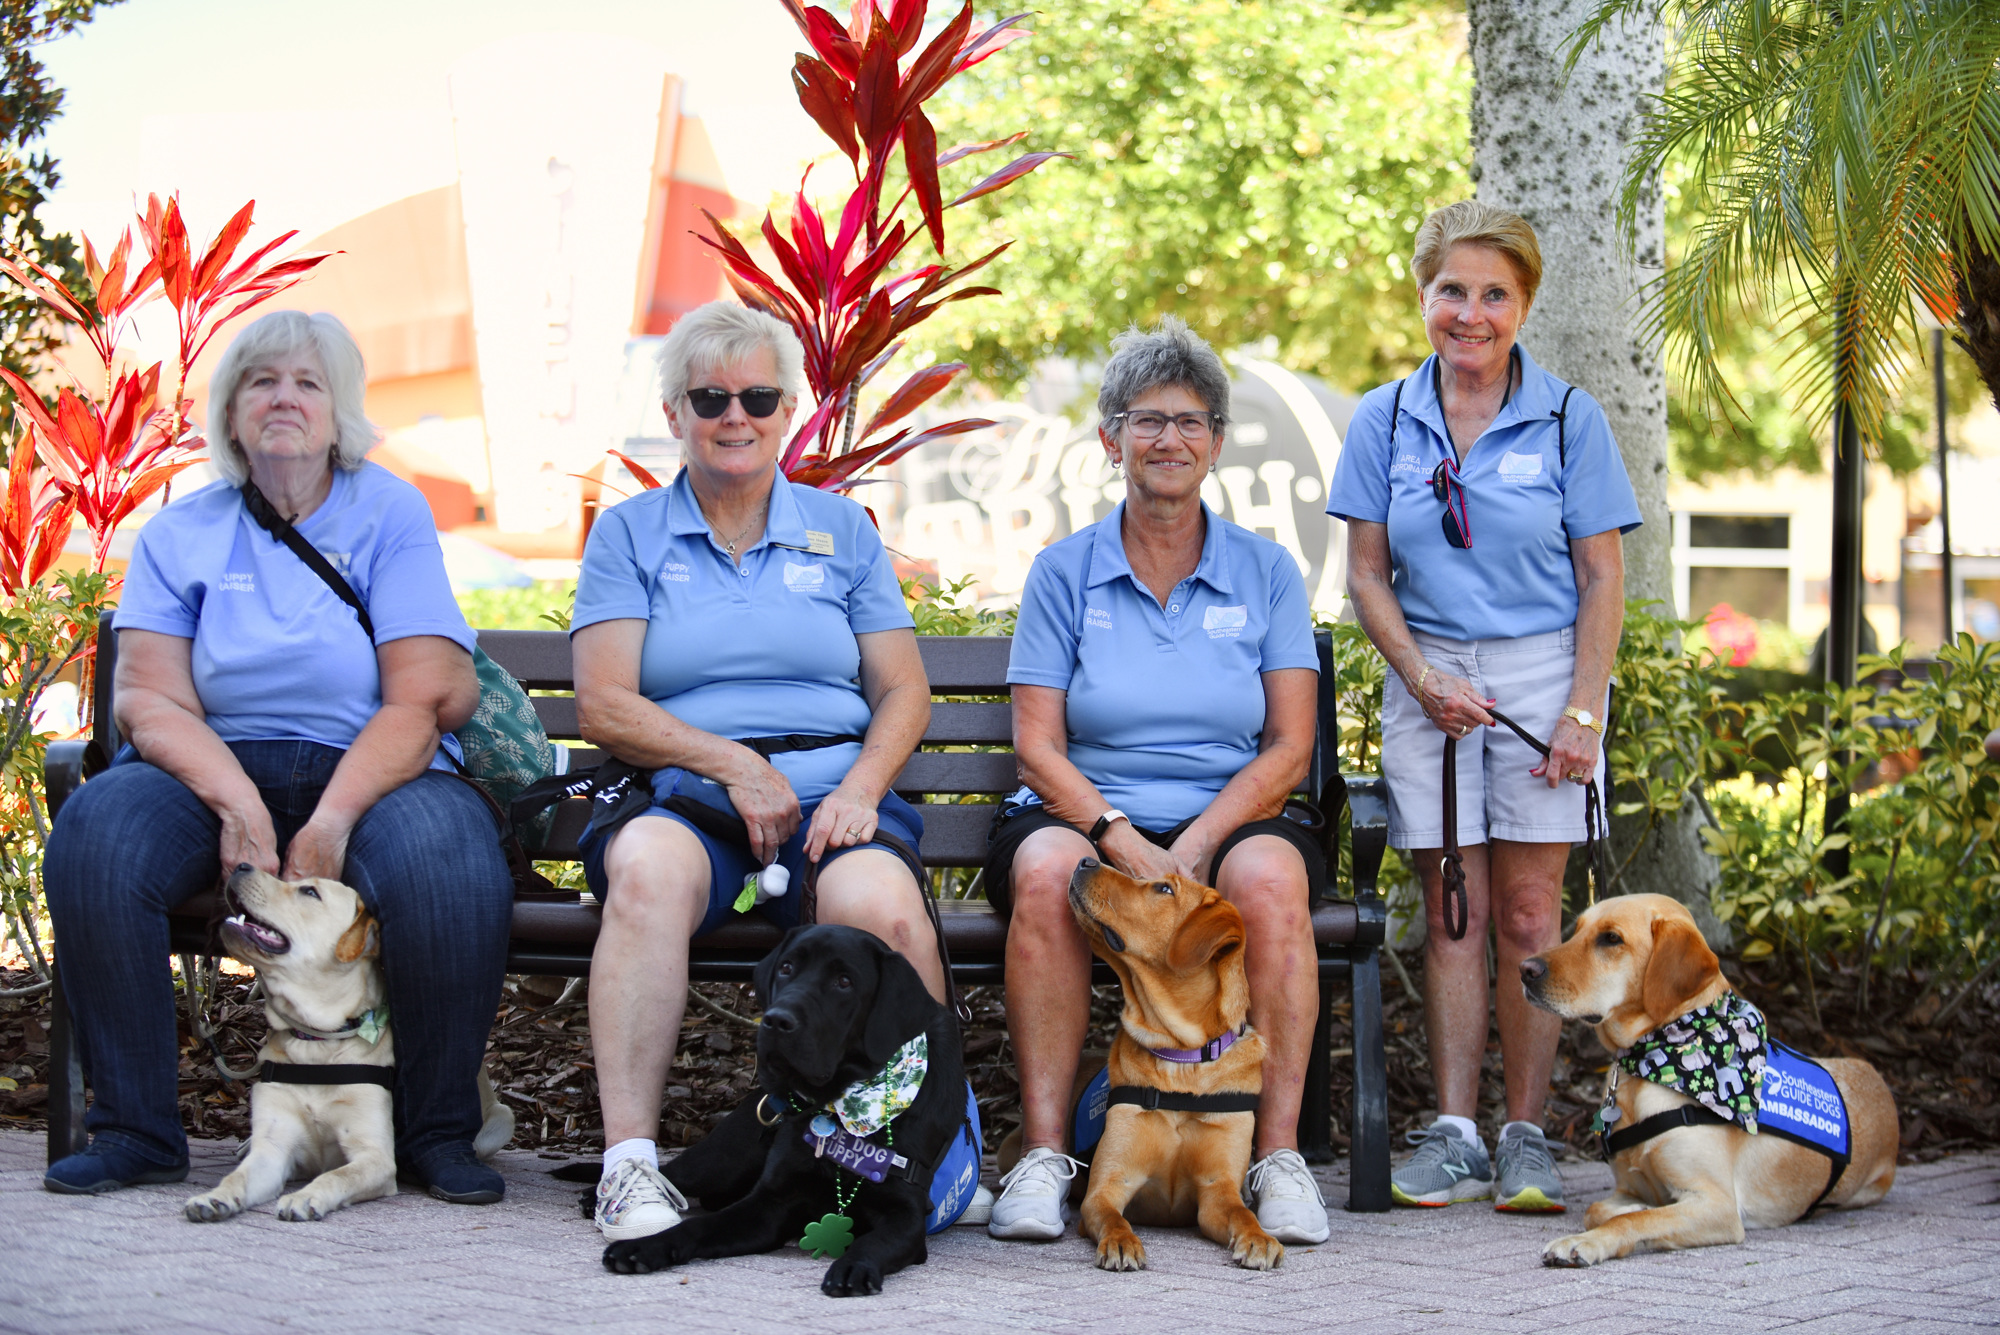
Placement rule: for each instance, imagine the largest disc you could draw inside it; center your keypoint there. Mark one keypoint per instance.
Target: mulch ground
(1946, 1076)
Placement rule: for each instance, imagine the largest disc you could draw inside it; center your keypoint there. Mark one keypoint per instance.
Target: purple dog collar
(1207, 1052)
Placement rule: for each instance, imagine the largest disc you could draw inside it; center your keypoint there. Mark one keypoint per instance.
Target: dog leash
(1596, 835)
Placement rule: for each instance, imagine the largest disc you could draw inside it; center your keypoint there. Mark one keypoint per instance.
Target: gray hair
(723, 333)
(1172, 354)
(281, 334)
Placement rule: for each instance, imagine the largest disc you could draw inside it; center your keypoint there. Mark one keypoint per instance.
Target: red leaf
(920, 160)
(835, 47)
(967, 150)
(828, 100)
(1007, 175)
(929, 71)
(857, 279)
(906, 20)
(224, 245)
(788, 260)
(919, 389)
(990, 42)
(875, 98)
(52, 532)
(645, 478)
(868, 371)
(810, 429)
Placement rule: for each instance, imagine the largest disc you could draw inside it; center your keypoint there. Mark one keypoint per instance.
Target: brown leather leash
(1596, 834)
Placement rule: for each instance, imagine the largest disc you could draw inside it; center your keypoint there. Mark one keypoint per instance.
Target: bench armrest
(64, 768)
(1368, 808)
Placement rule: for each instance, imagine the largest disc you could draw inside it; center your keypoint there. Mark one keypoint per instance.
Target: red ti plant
(107, 452)
(846, 290)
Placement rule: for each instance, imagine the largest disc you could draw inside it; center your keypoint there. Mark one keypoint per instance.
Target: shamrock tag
(831, 1236)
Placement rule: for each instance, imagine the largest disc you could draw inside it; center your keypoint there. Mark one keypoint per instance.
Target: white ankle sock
(1525, 1126)
(1463, 1125)
(634, 1148)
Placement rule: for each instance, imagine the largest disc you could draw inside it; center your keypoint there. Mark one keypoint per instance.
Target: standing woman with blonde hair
(1485, 503)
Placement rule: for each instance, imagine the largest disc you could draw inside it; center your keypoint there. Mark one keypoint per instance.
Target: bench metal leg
(66, 1133)
(1316, 1105)
(1368, 1154)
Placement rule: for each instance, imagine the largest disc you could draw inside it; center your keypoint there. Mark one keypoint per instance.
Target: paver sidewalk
(1927, 1258)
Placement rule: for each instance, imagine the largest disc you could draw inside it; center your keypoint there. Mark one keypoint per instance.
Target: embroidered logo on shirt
(1520, 467)
(1098, 617)
(341, 561)
(1407, 463)
(1225, 623)
(804, 579)
(239, 581)
(676, 571)
(819, 544)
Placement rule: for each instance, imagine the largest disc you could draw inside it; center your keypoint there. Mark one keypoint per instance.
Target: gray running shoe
(1528, 1180)
(1447, 1168)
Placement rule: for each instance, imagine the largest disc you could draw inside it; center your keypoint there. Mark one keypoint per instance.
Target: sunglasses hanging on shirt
(1448, 487)
(709, 404)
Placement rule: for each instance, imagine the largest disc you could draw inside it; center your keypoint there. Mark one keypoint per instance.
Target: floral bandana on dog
(1714, 1055)
(869, 1106)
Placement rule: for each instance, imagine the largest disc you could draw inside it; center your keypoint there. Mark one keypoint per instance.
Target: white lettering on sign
(676, 571)
(1098, 617)
(1225, 623)
(1520, 467)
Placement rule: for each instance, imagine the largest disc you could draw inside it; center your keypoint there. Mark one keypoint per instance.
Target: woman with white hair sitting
(269, 725)
(744, 640)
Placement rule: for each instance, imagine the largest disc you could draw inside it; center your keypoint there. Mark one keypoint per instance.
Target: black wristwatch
(1104, 823)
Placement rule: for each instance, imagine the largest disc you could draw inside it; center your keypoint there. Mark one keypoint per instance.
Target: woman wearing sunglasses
(1485, 502)
(743, 642)
(1165, 688)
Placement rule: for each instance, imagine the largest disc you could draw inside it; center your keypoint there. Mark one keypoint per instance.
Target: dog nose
(782, 1021)
(242, 867)
(1534, 969)
(1088, 864)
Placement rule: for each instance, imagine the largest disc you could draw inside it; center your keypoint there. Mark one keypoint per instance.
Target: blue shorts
(730, 862)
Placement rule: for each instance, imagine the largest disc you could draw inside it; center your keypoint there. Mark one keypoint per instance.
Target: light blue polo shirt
(277, 655)
(757, 648)
(1165, 704)
(1523, 503)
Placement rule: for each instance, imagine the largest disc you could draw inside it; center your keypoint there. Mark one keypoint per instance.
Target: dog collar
(1207, 1052)
(869, 1105)
(369, 1026)
(1714, 1055)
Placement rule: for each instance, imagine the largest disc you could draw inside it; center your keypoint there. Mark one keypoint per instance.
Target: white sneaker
(1034, 1197)
(979, 1210)
(637, 1202)
(1286, 1197)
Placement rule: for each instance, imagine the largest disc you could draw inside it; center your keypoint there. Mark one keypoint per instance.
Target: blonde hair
(1471, 223)
(719, 334)
(265, 340)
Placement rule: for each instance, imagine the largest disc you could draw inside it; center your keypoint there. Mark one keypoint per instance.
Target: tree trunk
(1979, 314)
(1555, 152)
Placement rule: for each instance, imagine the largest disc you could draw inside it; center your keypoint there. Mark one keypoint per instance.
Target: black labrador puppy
(838, 1004)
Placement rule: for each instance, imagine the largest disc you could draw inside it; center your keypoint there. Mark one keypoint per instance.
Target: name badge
(863, 1158)
(1520, 466)
(819, 544)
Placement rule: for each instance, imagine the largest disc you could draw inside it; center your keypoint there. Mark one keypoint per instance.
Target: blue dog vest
(957, 1174)
(1087, 1126)
(1798, 1100)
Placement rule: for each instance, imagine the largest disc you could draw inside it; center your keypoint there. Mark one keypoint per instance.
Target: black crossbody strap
(339, 1073)
(1142, 1096)
(1562, 424)
(281, 528)
(1688, 1114)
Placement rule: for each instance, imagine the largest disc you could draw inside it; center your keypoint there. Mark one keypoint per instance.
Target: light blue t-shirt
(759, 648)
(1524, 504)
(277, 655)
(1165, 704)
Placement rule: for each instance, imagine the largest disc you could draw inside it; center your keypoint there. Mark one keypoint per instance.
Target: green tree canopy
(1256, 167)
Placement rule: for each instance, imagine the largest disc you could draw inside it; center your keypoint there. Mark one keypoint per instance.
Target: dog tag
(824, 1126)
(860, 1157)
(831, 1236)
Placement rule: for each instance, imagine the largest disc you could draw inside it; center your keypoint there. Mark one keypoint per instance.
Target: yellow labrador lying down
(316, 951)
(1693, 1064)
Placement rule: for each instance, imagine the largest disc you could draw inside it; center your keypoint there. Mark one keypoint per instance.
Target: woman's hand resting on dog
(317, 850)
(249, 837)
(1137, 856)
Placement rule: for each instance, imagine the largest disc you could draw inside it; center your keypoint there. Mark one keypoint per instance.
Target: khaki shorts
(1498, 798)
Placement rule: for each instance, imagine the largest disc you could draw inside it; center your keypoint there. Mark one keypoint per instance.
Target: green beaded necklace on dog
(833, 1234)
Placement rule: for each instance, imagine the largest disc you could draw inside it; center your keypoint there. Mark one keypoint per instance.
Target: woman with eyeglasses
(1485, 503)
(1165, 688)
(741, 642)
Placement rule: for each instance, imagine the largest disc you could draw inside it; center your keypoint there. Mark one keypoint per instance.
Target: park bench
(968, 675)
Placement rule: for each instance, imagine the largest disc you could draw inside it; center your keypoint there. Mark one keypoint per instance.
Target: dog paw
(1257, 1251)
(851, 1278)
(1121, 1251)
(301, 1208)
(642, 1256)
(211, 1208)
(1573, 1252)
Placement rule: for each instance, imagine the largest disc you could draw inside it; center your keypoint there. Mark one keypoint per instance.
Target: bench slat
(974, 664)
(539, 659)
(959, 772)
(953, 723)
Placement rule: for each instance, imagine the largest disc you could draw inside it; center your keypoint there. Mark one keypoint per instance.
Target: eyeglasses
(1150, 426)
(1448, 487)
(709, 404)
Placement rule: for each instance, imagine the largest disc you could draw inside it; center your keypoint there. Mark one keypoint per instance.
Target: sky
(322, 113)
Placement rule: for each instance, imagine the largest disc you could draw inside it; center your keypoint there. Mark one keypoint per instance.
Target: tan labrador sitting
(1177, 947)
(315, 948)
(1634, 963)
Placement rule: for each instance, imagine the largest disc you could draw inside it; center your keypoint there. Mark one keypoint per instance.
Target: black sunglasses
(1447, 487)
(709, 404)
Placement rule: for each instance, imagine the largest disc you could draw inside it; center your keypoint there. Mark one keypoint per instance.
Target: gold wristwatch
(1586, 718)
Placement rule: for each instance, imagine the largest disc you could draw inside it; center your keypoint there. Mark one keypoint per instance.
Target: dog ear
(361, 940)
(900, 998)
(766, 973)
(1680, 966)
(1210, 932)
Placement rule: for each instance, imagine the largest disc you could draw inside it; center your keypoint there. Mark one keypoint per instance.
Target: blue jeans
(133, 843)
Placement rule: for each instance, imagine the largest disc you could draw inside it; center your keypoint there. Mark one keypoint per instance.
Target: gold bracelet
(1419, 692)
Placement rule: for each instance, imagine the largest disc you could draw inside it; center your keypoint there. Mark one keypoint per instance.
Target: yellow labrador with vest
(324, 1105)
